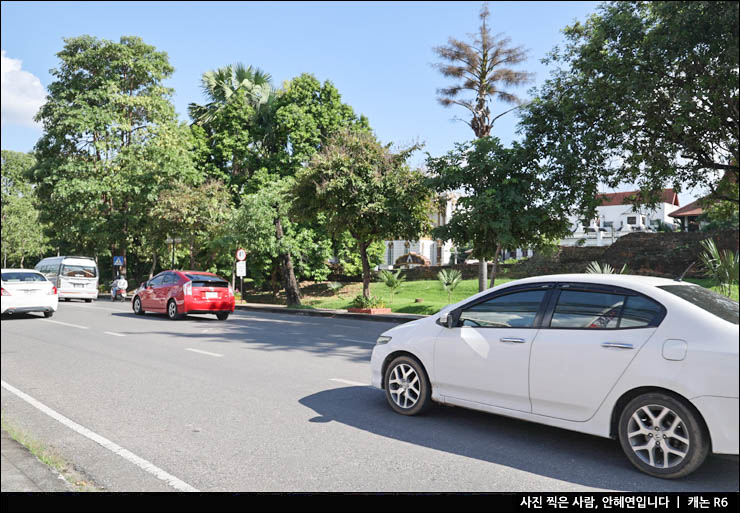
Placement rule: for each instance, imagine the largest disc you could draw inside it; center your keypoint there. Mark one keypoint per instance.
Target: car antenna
(687, 270)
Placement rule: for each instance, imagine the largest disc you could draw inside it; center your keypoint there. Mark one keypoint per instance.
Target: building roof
(627, 198)
(692, 209)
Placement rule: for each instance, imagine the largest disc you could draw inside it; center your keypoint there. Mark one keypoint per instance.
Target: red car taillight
(5, 292)
(187, 288)
(53, 291)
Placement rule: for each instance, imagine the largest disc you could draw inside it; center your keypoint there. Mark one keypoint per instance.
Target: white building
(618, 216)
(425, 250)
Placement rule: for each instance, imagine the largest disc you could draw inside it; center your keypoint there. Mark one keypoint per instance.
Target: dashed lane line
(203, 352)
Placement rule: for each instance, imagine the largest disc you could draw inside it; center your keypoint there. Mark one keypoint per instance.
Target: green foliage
(596, 268)
(361, 187)
(642, 92)
(508, 200)
(723, 266)
(391, 280)
(22, 231)
(449, 279)
(348, 256)
(363, 301)
(111, 143)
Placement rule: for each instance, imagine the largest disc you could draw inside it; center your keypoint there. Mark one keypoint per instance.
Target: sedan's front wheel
(662, 436)
(138, 310)
(407, 387)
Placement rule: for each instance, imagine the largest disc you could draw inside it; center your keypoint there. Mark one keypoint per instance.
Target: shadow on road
(542, 450)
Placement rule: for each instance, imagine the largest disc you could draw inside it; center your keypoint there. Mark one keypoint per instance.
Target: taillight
(5, 292)
(53, 291)
(187, 288)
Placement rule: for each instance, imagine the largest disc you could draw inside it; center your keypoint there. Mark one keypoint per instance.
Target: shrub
(392, 280)
(722, 266)
(364, 302)
(596, 268)
(449, 278)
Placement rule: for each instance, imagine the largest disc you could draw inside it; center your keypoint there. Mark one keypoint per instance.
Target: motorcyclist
(119, 287)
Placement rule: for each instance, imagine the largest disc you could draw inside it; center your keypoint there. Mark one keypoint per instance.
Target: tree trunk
(365, 270)
(493, 267)
(192, 249)
(154, 265)
(482, 274)
(292, 293)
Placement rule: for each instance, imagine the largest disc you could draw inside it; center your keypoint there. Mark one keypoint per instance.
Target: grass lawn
(316, 295)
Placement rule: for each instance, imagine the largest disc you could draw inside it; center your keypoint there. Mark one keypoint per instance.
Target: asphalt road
(274, 402)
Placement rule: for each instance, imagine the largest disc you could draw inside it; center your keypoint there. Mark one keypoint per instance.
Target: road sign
(241, 254)
(118, 261)
(241, 269)
(169, 240)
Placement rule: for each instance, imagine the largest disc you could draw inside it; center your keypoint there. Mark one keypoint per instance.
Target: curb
(399, 318)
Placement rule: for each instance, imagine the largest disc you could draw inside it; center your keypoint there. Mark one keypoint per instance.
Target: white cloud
(22, 94)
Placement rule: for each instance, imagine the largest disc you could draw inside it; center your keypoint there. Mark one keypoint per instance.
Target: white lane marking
(203, 352)
(114, 334)
(66, 324)
(111, 446)
(94, 307)
(348, 382)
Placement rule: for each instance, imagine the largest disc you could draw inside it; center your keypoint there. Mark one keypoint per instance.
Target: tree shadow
(546, 451)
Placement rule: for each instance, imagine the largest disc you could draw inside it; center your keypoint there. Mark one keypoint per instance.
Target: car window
(587, 310)
(169, 279)
(21, 277)
(639, 312)
(79, 271)
(716, 304)
(156, 281)
(515, 310)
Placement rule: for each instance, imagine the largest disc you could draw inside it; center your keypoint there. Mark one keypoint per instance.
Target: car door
(161, 291)
(484, 358)
(147, 296)
(590, 335)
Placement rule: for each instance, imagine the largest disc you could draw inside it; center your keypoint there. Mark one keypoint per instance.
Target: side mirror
(446, 319)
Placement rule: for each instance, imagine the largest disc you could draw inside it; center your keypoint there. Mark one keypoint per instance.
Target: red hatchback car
(177, 293)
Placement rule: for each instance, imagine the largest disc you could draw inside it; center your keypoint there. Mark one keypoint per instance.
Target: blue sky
(378, 54)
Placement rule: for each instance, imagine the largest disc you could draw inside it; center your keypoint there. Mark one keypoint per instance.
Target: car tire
(136, 305)
(88, 301)
(222, 316)
(407, 387)
(652, 422)
(172, 310)
(48, 314)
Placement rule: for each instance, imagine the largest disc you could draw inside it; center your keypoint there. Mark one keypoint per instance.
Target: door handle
(617, 345)
(512, 340)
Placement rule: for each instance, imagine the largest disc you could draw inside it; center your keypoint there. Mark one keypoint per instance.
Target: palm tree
(220, 85)
(481, 67)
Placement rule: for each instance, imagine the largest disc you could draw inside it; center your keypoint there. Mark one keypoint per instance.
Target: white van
(73, 276)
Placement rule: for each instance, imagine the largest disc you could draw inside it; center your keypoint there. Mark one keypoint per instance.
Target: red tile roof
(692, 209)
(627, 198)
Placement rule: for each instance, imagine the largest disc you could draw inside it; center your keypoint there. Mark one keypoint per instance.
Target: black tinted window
(79, 271)
(639, 311)
(516, 310)
(581, 309)
(717, 304)
(156, 281)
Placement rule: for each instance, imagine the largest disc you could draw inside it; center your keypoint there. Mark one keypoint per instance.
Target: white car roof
(20, 270)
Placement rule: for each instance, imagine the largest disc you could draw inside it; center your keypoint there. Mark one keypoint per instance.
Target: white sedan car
(26, 290)
(650, 361)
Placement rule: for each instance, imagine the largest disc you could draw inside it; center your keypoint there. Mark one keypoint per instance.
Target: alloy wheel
(404, 386)
(658, 436)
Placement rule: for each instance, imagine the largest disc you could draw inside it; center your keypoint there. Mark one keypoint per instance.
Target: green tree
(508, 201)
(646, 93)
(22, 231)
(111, 142)
(361, 187)
(449, 279)
(482, 68)
(392, 280)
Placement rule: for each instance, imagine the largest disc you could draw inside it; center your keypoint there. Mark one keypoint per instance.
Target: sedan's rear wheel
(222, 316)
(172, 310)
(138, 310)
(662, 436)
(48, 314)
(406, 386)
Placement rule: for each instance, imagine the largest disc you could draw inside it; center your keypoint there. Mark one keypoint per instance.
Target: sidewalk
(318, 312)
(21, 471)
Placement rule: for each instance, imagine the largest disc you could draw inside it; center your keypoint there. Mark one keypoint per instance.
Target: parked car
(178, 293)
(27, 290)
(75, 277)
(651, 362)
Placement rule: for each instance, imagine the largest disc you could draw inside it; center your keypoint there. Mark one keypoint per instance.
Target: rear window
(18, 277)
(717, 304)
(206, 280)
(79, 271)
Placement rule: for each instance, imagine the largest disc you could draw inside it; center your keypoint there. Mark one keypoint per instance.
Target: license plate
(78, 285)
(211, 295)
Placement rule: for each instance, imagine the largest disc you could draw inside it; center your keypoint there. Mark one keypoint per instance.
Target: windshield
(17, 277)
(717, 304)
(79, 271)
